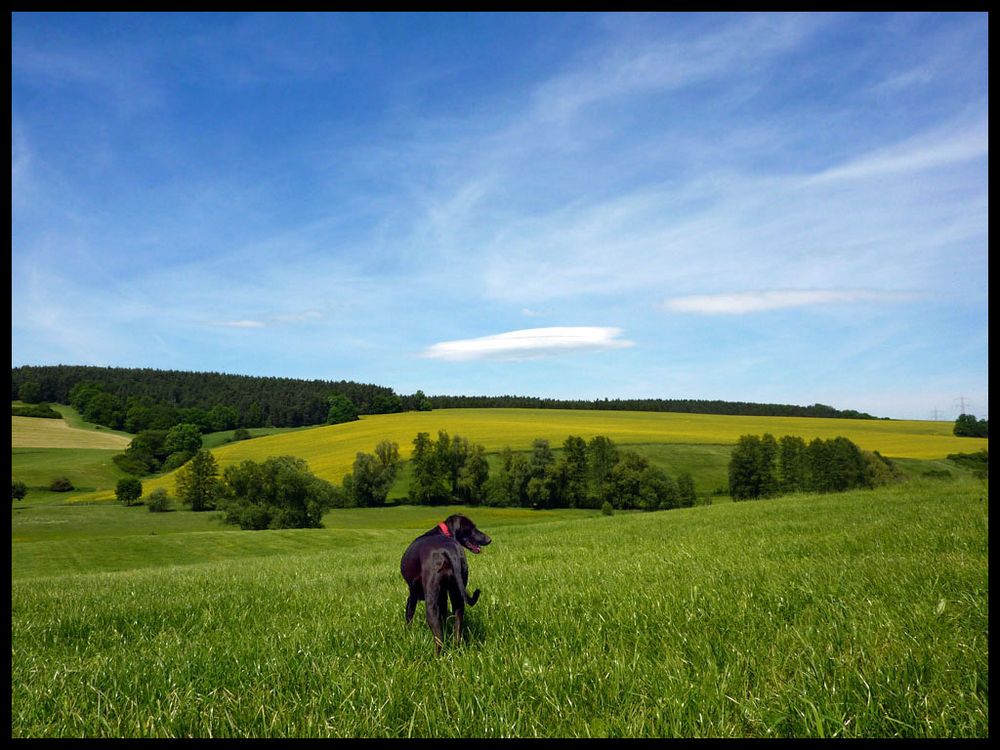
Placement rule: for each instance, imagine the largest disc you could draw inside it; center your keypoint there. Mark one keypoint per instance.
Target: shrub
(158, 501)
(43, 411)
(61, 484)
(978, 463)
(128, 491)
(280, 493)
(607, 509)
(132, 463)
(18, 490)
(176, 460)
(242, 434)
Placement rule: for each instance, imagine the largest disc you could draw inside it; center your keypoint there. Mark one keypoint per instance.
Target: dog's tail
(456, 566)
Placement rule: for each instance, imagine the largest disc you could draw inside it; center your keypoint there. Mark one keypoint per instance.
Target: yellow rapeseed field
(330, 450)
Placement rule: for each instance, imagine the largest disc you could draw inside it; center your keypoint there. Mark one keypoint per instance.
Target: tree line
(762, 467)
(145, 398)
(686, 406)
(453, 470)
(281, 492)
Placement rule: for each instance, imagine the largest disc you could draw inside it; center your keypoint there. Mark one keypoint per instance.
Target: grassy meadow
(863, 614)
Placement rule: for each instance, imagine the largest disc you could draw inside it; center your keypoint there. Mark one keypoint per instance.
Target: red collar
(444, 528)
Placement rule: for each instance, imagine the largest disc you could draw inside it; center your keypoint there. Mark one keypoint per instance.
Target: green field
(863, 614)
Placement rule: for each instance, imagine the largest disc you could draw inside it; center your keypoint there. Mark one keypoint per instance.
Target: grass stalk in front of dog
(855, 615)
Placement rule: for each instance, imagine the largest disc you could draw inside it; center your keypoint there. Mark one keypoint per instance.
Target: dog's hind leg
(458, 607)
(416, 594)
(436, 604)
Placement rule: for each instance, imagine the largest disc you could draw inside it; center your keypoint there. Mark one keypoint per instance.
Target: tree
(768, 465)
(104, 409)
(626, 482)
(197, 482)
(420, 402)
(222, 417)
(372, 476)
(602, 455)
(575, 454)
(341, 410)
(558, 480)
(387, 403)
(846, 466)
(791, 464)
(182, 438)
(30, 392)
(473, 476)
(687, 496)
(145, 454)
(255, 415)
(280, 493)
(965, 426)
(752, 468)
(509, 485)
(128, 491)
(427, 485)
(18, 490)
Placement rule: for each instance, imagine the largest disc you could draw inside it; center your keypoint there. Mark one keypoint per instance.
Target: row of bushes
(43, 411)
(761, 466)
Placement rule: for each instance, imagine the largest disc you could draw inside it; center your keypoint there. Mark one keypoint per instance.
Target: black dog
(434, 567)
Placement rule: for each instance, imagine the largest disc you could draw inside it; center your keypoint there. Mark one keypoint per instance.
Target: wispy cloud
(241, 324)
(926, 151)
(270, 321)
(743, 303)
(630, 69)
(530, 343)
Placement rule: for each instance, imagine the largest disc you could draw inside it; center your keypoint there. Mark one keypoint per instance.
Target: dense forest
(257, 401)
(136, 399)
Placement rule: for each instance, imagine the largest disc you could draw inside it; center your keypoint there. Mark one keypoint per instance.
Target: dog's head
(464, 532)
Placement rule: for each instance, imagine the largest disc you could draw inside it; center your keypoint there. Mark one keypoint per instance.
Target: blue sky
(774, 208)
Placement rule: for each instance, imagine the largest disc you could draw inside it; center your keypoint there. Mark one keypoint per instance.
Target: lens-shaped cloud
(529, 343)
(750, 302)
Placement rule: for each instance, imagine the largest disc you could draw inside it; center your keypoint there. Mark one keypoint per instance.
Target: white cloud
(242, 324)
(529, 343)
(742, 303)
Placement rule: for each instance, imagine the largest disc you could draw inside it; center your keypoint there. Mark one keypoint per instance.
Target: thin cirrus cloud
(529, 343)
(742, 303)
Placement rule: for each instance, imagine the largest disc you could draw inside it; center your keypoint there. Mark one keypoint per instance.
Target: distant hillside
(688, 406)
(257, 401)
(148, 398)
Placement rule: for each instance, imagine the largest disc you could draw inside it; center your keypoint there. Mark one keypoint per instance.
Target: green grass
(863, 614)
(89, 469)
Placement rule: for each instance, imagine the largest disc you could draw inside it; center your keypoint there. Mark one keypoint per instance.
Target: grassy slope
(861, 614)
(330, 450)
